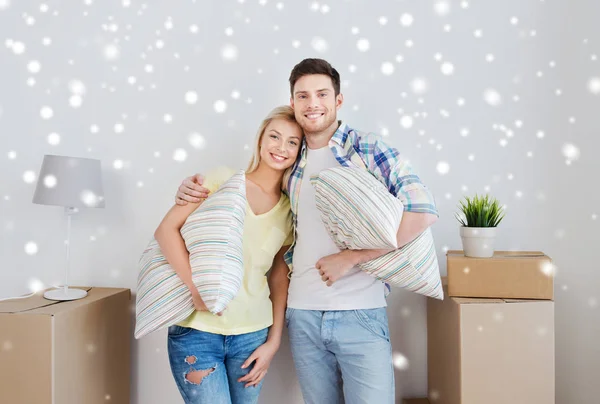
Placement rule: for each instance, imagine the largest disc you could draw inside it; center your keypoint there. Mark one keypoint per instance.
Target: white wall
(552, 199)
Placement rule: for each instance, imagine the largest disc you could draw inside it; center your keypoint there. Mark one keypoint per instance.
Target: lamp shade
(70, 182)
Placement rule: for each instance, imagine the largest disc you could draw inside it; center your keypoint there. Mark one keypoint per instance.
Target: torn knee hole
(190, 360)
(196, 376)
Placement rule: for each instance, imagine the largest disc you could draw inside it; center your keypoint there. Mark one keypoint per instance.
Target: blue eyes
(277, 137)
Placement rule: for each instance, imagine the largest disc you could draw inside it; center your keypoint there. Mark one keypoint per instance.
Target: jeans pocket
(178, 331)
(375, 321)
(289, 313)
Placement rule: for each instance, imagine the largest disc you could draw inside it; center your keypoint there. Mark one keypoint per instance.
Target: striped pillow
(413, 267)
(359, 213)
(213, 237)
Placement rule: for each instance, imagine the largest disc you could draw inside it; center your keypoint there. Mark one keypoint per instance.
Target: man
(336, 314)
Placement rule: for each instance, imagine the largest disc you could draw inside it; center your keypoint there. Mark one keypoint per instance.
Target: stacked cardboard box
(492, 339)
(68, 352)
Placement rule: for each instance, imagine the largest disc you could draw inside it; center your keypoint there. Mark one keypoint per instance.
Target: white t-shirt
(356, 290)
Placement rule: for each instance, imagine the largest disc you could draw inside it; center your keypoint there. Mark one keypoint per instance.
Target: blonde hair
(286, 113)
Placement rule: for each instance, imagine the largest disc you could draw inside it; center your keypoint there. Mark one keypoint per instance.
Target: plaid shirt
(352, 148)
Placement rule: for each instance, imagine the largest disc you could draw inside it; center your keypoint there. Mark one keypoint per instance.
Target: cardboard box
(506, 275)
(66, 352)
(491, 351)
(415, 401)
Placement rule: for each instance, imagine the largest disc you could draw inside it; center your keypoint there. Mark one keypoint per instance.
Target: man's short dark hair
(314, 66)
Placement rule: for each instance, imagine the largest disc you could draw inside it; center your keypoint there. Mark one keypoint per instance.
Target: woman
(224, 358)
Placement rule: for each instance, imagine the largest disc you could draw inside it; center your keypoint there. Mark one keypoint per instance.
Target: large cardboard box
(491, 351)
(506, 275)
(70, 352)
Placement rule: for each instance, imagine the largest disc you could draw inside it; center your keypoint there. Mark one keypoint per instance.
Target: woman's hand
(198, 302)
(261, 357)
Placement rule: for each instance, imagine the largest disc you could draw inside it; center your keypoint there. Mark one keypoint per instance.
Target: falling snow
(229, 53)
(29, 177)
(180, 155)
(387, 68)
(400, 361)
(492, 97)
(46, 113)
(31, 248)
(443, 168)
(419, 86)
(171, 92)
(594, 85)
(406, 20)
(197, 141)
(406, 122)
(447, 68)
(220, 106)
(319, 44)
(363, 45)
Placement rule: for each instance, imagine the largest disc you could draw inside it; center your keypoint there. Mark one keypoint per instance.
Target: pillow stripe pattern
(344, 193)
(162, 299)
(353, 206)
(213, 237)
(413, 267)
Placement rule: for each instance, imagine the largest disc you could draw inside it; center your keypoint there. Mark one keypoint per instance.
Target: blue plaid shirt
(353, 148)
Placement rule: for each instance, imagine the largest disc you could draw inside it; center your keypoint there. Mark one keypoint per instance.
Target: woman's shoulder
(285, 208)
(217, 176)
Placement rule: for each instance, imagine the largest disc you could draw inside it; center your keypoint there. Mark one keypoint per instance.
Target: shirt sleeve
(397, 175)
(289, 227)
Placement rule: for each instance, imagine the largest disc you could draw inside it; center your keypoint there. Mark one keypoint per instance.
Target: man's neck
(321, 139)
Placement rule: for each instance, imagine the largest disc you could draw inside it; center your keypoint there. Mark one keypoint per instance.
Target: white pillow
(360, 213)
(413, 267)
(213, 237)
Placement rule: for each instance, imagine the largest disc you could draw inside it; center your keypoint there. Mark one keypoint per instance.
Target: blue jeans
(342, 356)
(222, 356)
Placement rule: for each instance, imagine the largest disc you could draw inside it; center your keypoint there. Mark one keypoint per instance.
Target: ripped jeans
(218, 358)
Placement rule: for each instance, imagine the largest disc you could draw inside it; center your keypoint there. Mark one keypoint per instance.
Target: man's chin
(313, 127)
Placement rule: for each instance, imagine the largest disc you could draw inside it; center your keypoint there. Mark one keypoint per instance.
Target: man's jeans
(342, 356)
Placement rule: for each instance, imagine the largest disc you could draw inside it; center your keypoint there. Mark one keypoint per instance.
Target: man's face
(315, 103)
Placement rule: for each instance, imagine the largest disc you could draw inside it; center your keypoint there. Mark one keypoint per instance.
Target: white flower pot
(478, 242)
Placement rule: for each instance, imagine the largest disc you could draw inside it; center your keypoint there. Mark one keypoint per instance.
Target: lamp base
(59, 294)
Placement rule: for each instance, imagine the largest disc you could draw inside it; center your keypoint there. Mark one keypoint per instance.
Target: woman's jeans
(219, 358)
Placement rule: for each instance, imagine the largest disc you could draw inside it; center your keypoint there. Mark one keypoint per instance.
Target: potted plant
(479, 218)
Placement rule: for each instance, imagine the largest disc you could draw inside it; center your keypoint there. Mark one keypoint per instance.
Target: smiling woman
(233, 349)
(277, 142)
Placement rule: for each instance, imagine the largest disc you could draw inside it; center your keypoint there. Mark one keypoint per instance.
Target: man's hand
(191, 190)
(261, 357)
(335, 266)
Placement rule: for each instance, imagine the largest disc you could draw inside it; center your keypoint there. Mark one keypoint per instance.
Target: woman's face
(280, 144)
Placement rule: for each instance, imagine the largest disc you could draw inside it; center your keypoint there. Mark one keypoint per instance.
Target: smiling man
(336, 313)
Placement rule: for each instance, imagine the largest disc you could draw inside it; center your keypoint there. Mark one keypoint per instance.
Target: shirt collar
(339, 138)
(341, 135)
